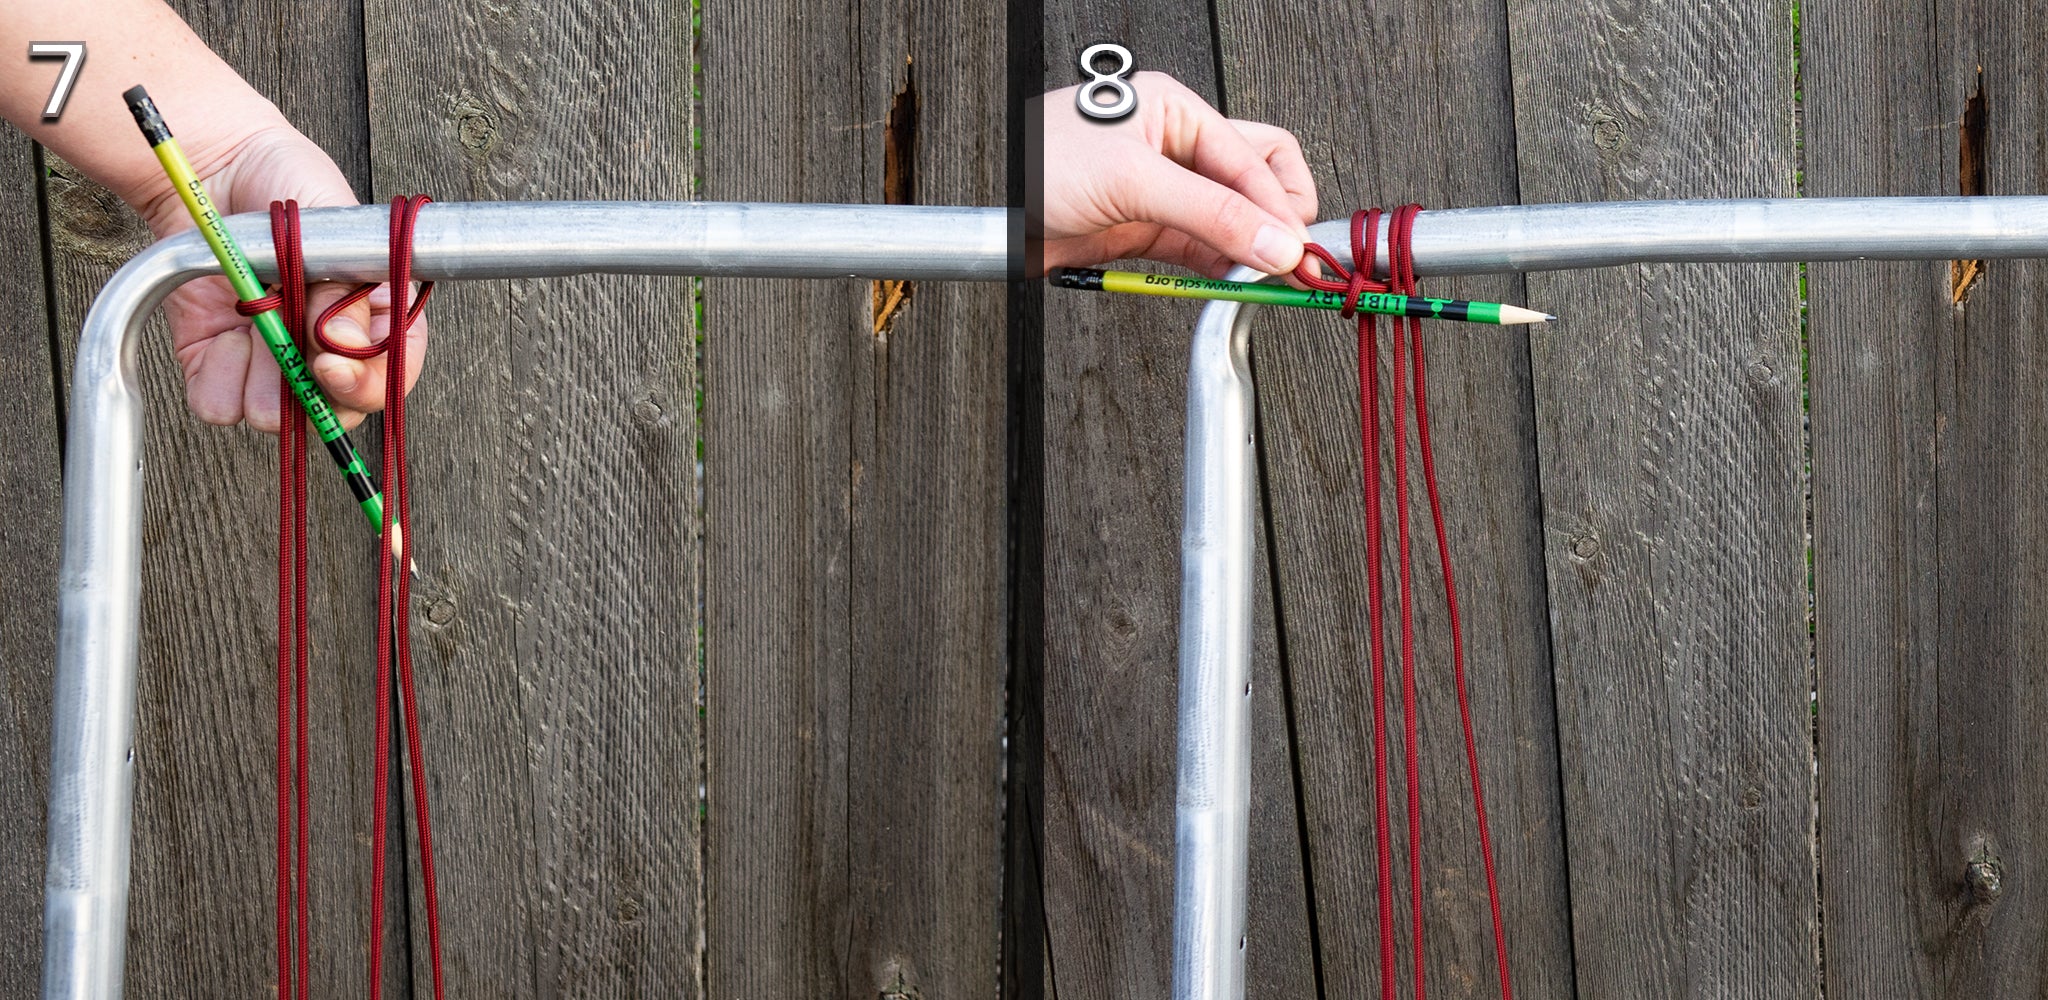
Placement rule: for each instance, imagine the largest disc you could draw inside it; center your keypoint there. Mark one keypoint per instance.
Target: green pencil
(1383, 303)
(270, 323)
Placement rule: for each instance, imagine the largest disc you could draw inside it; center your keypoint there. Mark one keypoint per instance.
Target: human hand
(1175, 181)
(230, 375)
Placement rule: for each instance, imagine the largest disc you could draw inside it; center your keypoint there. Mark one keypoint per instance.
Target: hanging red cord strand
(394, 599)
(292, 654)
(1410, 738)
(1401, 280)
(1365, 233)
(1404, 281)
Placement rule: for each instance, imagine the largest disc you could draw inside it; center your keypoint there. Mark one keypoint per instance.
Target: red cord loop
(292, 725)
(394, 617)
(394, 600)
(356, 295)
(1354, 281)
(275, 300)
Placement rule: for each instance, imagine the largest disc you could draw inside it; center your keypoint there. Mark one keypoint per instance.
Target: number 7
(73, 54)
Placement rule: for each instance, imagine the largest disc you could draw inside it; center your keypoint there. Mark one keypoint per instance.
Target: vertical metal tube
(92, 756)
(1212, 810)
(1213, 802)
(92, 744)
(92, 759)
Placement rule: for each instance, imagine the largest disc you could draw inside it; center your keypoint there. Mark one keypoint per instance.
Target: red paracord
(292, 727)
(394, 599)
(1401, 280)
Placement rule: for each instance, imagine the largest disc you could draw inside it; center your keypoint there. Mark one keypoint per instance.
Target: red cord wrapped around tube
(1407, 346)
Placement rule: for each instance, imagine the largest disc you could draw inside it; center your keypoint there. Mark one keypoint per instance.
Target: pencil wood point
(1512, 315)
(398, 551)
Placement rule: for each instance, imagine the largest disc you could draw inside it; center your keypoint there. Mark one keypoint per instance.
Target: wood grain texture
(1116, 410)
(1928, 446)
(1448, 142)
(201, 911)
(553, 453)
(1669, 437)
(30, 479)
(855, 522)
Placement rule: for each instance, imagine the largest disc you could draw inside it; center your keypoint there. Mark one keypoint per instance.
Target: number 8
(1126, 95)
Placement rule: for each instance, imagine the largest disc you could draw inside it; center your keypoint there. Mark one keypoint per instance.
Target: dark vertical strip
(699, 618)
(1022, 925)
(1365, 151)
(29, 478)
(1308, 866)
(1115, 418)
(1222, 101)
(1027, 972)
(57, 394)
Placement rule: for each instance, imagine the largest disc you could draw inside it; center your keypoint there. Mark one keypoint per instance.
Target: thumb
(349, 383)
(1181, 199)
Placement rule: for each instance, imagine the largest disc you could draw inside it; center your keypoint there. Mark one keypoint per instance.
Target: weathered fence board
(554, 453)
(811, 641)
(1929, 535)
(855, 522)
(1669, 438)
(200, 917)
(29, 456)
(1116, 404)
(1449, 143)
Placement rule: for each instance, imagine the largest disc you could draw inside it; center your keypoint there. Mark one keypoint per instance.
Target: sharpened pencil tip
(1511, 315)
(398, 552)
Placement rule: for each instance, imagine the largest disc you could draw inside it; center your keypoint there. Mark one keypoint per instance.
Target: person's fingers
(1283, 153)
(1178, 248)
(214, 369)
(260, 384)
(211, 342)
(349, 383)
(1212, 213)
(1198, 137)
(415, 352)
(415, 335)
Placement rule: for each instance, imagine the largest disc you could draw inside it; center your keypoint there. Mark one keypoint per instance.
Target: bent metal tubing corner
(92, 751)
(1213, 803)
(85, 902)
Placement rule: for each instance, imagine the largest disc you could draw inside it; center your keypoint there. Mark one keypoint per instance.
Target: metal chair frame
(1213, 802)
(92, 756)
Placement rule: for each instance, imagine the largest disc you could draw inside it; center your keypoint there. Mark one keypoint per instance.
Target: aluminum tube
(85, 886)
(1212, 804)
(85, 910)
(92, 743)
(1213, 798)
(1554, 237)
(549, 239)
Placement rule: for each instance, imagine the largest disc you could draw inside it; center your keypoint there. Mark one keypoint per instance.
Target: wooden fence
(1752, 676)
(813, 633)
(1698, 789)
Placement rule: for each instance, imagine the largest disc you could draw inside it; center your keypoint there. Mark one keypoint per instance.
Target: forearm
(128, 42)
